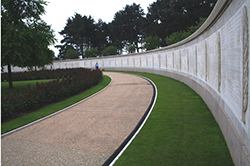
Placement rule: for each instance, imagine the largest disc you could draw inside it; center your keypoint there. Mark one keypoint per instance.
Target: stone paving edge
(115, 156)
(48, 116)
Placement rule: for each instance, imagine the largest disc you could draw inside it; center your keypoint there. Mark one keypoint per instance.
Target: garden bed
(66, 83)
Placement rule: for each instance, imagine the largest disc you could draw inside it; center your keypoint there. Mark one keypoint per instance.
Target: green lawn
(180, 131)
(22, 84)
(8, 126)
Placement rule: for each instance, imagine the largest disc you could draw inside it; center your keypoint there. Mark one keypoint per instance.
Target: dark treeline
(131, 29)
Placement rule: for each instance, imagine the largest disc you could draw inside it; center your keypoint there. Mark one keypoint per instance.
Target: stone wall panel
(214, 61)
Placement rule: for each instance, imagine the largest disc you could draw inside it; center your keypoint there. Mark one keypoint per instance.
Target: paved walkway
(86, 134)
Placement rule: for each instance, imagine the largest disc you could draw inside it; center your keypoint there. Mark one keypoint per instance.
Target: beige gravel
(86, 134)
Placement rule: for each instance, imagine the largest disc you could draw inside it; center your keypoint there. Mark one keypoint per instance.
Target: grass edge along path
(180, 131)
(21, 121)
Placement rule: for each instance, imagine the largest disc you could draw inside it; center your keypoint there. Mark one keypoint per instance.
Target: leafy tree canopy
(127, 26)
(111, 50)
(81, 32)
(25, 37)
(165, 17)
(180, 35)
(91, 52)
(151, 42)
(131, 26)
(130, 48)
(71, 54)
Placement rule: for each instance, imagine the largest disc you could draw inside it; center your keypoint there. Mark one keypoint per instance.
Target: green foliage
(180, 35)
(91, 52)
(130, 48)
(81, 32)
(71, 54)
(25, 43)
(39, 37)
(111, 50)
(165, 17)
(18, 10)
(151, 42)
(25, 37)
(127, 26)
(38, 75)
(131, 26)
(18, 122)
(29, 98)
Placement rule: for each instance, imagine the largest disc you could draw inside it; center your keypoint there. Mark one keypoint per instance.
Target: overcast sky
(58, 11)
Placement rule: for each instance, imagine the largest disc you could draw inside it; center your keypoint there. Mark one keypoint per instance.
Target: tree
(91, 52)
(180, 35)
(165, 17)
(151, 42)
(79, 33)
(71, 54)
(111, 50)
(39, 37)
(126, 28)
(130, 48)
(18, 18)
(100, 40)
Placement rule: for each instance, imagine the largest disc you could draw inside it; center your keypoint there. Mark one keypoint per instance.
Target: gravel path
(86, 134)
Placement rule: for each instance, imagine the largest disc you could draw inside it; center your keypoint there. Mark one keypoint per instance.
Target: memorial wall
(214, 62)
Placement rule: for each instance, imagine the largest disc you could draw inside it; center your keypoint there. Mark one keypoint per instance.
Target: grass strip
(180, 131)
(13, 124)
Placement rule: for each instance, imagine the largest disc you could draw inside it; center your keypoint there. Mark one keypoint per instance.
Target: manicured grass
(13, 124)
(180, 131)
(22, 84)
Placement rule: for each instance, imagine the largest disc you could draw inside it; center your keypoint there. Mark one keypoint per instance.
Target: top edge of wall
(218, 10)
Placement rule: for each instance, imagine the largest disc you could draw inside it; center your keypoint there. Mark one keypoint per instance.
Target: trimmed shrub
(27, 99)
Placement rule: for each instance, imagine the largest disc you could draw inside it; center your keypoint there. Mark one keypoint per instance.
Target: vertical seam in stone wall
(180, 60)
(196, 59)
(206, 61)
(245, 38)
(159, 61)
(141, 61)
(173, 60)
(166, 60)
(219, 61)
(187, 60)
(153, 62)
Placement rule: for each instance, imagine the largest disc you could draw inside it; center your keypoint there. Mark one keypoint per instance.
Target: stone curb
(115, 156)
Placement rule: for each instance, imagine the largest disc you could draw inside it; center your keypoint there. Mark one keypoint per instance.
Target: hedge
(68, 82)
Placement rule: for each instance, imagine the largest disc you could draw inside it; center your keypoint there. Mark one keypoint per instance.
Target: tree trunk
(10, 76)
(137, 47)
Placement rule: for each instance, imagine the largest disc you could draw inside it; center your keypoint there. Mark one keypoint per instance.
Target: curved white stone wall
(214, 61)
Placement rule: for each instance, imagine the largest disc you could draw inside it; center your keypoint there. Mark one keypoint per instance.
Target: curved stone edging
(46, 117)
(115, 156)
(213, 61)
(86, 134)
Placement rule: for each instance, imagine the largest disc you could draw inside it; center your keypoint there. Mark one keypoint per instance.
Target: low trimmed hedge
(21, 101)
(42, 74)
